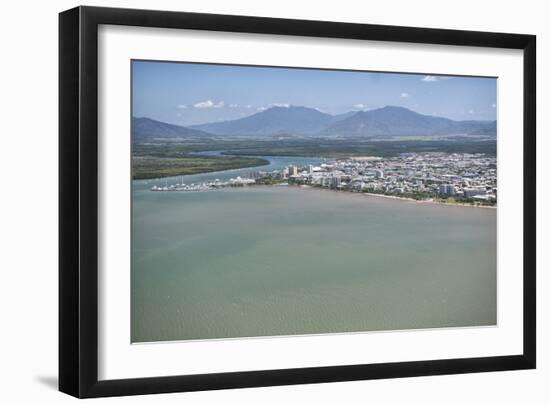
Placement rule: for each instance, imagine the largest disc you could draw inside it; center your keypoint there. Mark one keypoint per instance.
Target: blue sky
(188, 94)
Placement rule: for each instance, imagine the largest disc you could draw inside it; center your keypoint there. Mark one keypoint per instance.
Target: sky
(189, 93)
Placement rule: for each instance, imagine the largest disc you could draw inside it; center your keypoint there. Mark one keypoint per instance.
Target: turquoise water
(265, 261)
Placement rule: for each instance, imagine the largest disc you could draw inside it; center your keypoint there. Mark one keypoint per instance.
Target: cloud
(471, 111)
(233, 105)
(494, 105)
(271, 105)
(248, 106)
(182, 106)
(209, 104)
(434, 78)
(360, 106)
(404, 95)
(204, 104)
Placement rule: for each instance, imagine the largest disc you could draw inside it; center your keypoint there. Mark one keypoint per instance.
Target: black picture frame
(78, 201)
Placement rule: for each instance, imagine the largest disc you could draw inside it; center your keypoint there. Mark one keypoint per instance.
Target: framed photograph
(252, 202)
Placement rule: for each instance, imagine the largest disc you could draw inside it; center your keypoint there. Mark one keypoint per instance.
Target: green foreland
(144, 167)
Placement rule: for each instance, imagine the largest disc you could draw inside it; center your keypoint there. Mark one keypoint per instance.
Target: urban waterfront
(457, 177)
(280, 260)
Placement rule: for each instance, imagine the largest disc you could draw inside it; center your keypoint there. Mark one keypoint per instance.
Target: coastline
(394, 197)
(159, 175)
(434, 201)
(204, 171)
(269, 162)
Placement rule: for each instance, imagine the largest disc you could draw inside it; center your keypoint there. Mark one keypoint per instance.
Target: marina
(205, 186)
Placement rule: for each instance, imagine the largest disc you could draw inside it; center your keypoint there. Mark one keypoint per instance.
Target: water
(275, 163)
(265, 261)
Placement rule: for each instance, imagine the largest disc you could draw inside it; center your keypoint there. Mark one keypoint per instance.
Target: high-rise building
(379, 173)
(292, 170)
(447, 189)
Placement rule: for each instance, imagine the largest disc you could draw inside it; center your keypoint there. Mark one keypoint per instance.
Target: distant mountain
(386, 121)
(145, 128)
(341, 117)
(275, 120)
(399, 121)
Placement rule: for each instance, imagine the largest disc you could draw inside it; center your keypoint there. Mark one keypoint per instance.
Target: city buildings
(462, 177)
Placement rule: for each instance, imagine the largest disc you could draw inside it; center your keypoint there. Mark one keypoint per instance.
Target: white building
(447, 189)
(471, 192)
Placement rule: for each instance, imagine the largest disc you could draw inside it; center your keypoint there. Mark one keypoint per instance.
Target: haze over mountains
(298, 120)
(146, 128)
(399, 121)
(294, 120)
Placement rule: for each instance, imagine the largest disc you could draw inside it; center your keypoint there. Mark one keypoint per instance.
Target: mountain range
(144, 129)
(399, 121)
(275, 120)
(295, 120)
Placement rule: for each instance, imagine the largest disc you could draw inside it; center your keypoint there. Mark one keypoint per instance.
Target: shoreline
(269, 162)
(363, 194)
(214, 171)
(393, 197)
(434, 201)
